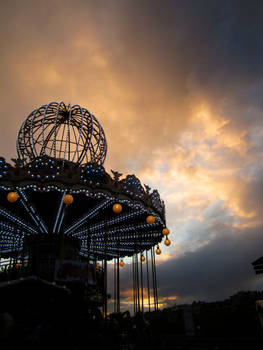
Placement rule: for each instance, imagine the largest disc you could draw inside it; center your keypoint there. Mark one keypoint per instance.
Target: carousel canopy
(58, 184)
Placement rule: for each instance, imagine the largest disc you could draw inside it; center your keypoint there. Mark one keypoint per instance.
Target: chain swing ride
(63, 217)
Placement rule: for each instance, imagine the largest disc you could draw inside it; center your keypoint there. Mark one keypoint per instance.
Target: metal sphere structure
(60, 131)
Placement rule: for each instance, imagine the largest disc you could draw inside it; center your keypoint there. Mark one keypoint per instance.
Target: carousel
(68, 223)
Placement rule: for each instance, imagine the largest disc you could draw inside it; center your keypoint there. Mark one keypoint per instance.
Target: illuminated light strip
(89, 194)
(67, 135)
(61, 220)
(115, 244)
(132, 235)
(137, 206)
(127, 228)
(11, 238)
(89, 215)
(10, 250)
(11, 244)
(119, 219)
(122, 243)
(98, 254)
(8, 242)
(32, 212)
(80, 131)
(59, 212)
(11, 217)
(7, 226)
(15, 239)
(109, 250)
(98, 227)
(6, 235)
(23, 138)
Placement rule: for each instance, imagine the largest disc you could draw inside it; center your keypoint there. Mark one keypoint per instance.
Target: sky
(177, 86)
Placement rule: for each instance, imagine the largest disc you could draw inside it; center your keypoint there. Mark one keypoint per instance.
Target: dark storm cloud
(217, 42)
(252, 194)
(219, 268)
(215, 271)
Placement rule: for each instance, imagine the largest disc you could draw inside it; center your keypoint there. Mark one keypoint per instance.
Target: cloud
(177, 88)
(216, 270)
(137, 66)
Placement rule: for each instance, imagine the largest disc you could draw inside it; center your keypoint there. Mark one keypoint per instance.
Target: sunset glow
(178, 91)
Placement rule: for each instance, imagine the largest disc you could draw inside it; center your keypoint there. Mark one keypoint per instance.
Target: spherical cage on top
(63, 132)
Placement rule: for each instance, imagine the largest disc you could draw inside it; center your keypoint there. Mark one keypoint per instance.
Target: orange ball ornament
(12, 197)
(158, 251)
(142, 258)
(166, 231)
(117, 208)
(68, 199)
(122, 263)
(150, 219)
(167, 242)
